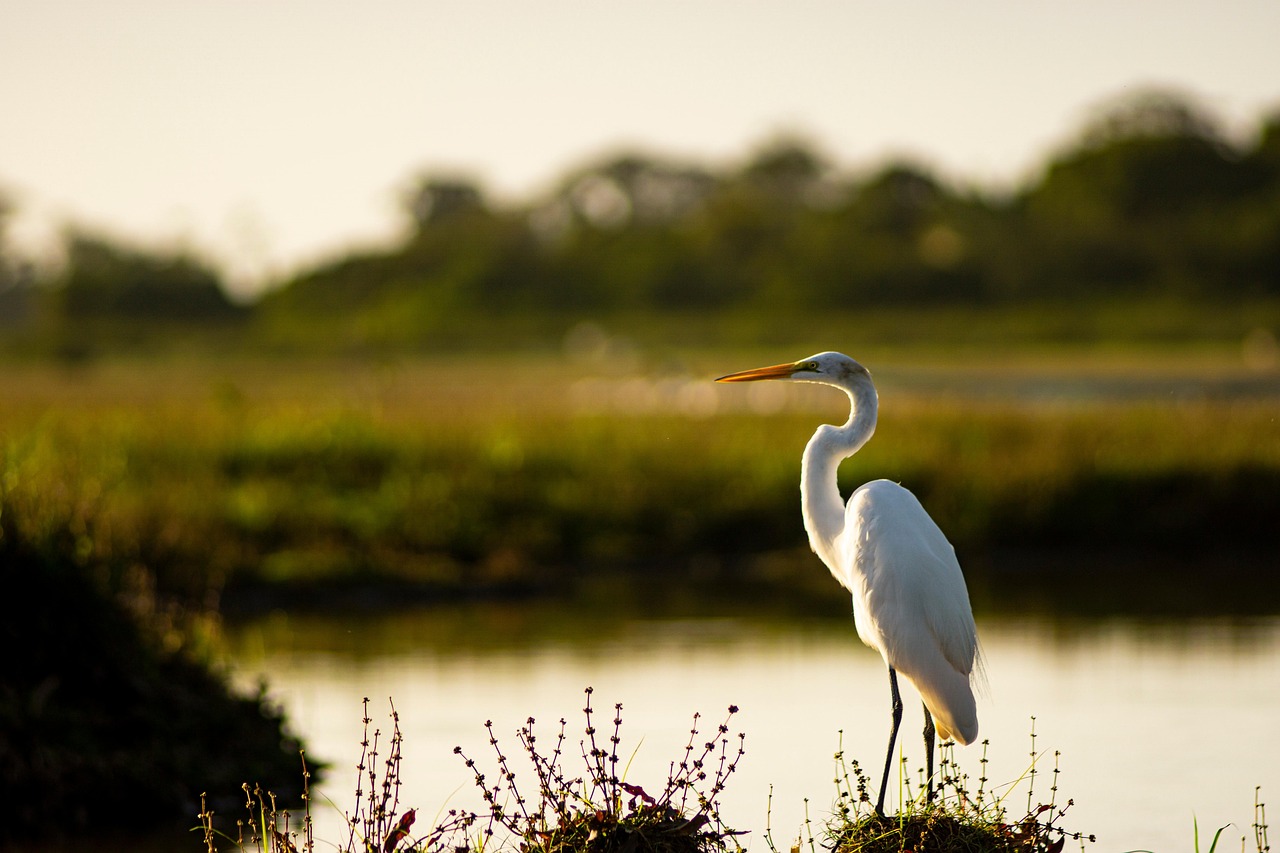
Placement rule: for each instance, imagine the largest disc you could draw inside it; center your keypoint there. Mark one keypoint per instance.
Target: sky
(270, 135)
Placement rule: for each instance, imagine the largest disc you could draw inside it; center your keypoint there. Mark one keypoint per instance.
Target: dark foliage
(101, 726)
(104, 279)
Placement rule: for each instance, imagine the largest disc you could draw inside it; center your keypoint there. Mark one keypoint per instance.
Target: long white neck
(820, 501)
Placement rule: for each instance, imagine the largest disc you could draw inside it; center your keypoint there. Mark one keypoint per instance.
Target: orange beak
(776, 371)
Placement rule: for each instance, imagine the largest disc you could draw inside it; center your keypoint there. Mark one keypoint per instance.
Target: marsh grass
(592, 809)
(596, 808)
(962, 816)
(967, 815)
(376, 822)
(472, 478)
(1258, 829)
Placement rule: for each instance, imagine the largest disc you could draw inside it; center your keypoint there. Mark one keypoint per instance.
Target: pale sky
(268, 134)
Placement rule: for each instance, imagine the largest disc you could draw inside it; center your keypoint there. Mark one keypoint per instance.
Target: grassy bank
(460, 476)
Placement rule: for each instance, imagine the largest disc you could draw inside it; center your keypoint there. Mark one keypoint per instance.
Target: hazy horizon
(268, 135)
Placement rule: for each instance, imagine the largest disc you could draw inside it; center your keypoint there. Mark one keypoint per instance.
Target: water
(1157, 722)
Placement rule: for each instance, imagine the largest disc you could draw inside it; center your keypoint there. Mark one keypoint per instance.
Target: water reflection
(1155, 720)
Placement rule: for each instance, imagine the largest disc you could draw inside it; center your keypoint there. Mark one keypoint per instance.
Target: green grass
(456, 477)
(961, 815)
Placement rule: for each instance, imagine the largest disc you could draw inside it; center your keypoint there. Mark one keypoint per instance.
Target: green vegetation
(1153, 201)
(480, 477)
(958, 818)
(111, 717)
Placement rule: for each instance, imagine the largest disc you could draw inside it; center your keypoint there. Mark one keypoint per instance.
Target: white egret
(910, 602)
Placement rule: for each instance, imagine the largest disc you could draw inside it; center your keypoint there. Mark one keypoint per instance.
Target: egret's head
(828, 368)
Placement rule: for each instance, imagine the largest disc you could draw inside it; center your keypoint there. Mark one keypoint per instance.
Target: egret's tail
(964, 737)
(949, 699)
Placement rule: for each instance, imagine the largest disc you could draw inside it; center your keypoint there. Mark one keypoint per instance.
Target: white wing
(910, 601)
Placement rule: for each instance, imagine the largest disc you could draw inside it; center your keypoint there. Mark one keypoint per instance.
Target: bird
(910, 601)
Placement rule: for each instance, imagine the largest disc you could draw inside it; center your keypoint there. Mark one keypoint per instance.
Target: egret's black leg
(929, 733)
(893, 736)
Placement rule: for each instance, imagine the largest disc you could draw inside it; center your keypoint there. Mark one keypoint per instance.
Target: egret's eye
(813, 365)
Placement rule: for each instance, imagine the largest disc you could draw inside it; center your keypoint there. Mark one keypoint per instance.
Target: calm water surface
(1157, 722)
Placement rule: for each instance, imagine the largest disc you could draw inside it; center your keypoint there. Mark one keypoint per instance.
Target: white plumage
(910, 602)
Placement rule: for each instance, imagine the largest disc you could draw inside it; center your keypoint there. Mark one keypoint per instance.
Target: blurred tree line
(1152, 198)
(108, 295)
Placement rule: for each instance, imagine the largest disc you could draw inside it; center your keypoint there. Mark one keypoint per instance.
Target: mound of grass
(956, 818)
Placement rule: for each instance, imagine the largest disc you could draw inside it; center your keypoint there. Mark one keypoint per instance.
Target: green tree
(16, 296)
(902, 237)
(105, 280)
(1137, 205)
(435, 199)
